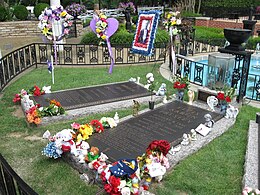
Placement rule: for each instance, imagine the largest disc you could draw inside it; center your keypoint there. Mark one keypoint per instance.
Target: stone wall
(223, 23)
(26, 29)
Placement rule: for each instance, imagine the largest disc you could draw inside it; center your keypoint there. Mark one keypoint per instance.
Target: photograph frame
(146, 28)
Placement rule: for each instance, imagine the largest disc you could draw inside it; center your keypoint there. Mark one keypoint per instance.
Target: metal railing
(205, 75)
(35, 54)
(10, 182)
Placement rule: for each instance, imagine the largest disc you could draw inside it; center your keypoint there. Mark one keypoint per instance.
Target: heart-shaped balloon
(112, 26)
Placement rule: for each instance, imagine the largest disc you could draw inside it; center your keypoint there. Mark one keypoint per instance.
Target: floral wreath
(49, 16)
(101, 26)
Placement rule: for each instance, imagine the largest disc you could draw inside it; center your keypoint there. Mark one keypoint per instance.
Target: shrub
(122, 36)
(20, 12)
(39, 8)
(28, 2)
(212, 36)
(252, 41)
(189, 14)
(135, 19)
(3, 14)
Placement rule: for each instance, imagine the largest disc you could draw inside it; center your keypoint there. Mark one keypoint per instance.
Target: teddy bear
(64, 141)
(93, 154)
(162, 90)
(100, 161)
(82, 151)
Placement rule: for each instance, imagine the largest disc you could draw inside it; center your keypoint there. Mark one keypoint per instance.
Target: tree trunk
(199, 5)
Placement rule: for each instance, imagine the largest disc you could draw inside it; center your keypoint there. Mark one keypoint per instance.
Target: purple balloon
(112, 26)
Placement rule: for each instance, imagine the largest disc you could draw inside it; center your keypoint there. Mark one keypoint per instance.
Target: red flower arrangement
(98, 126)
(162, 146)
(221, 96)
(36, 91)
(181, 83)
(112, 187)
(19, 96)
(33, 115)
(225, 97)
(178, 85)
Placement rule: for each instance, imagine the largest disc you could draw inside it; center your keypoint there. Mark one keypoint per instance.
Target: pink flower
(257, 191)
(75, 125)
(66, 31)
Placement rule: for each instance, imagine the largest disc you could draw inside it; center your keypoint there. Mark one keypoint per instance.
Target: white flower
(178, 21)
(41, 109)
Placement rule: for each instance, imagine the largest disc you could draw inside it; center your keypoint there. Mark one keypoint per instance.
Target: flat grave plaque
(131, 137)
(84, 97)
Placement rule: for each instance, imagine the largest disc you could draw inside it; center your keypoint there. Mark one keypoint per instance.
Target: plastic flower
(225, 97)
(63, 14)
(181, 83)
(45, 31)
(98, 126)
(85, 130)
(75, 126)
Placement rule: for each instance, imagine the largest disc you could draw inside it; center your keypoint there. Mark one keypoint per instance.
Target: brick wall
(26, 29)
(223, 24)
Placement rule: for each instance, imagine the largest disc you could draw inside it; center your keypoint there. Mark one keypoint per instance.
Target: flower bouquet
(225, 97)
(53, 109)
(250, 191)
(180, 84)
(173, 21)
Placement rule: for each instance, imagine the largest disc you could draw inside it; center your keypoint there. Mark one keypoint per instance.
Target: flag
(50, 66)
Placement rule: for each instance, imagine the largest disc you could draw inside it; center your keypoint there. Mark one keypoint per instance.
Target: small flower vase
(223, 108)
(179, 95)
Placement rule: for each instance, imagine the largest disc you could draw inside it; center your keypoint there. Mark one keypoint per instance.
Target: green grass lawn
(215, 169)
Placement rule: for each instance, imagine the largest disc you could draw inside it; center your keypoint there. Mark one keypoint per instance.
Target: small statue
(209, 122)
(116, 118)
(162, 90)
(191, 96)
(136, 107)
(150, 80)
(231, 112)
(212, 101)
(193, 136)
(185, 140)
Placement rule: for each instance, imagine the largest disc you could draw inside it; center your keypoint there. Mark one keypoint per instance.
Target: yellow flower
(63, 14)
(98, 30)
(102, 16)
(173, 22)
(169, 16)
(45, 31)
(103, 37)
(85, 130)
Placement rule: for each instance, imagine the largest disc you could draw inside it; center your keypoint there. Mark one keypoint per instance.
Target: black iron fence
(35, 54)
(205, 75)
(10, 182)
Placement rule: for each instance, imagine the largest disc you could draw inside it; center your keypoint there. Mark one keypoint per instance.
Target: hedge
(20, 12)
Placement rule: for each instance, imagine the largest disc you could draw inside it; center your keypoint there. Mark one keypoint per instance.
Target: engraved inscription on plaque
(131, 137)
(83, 97)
